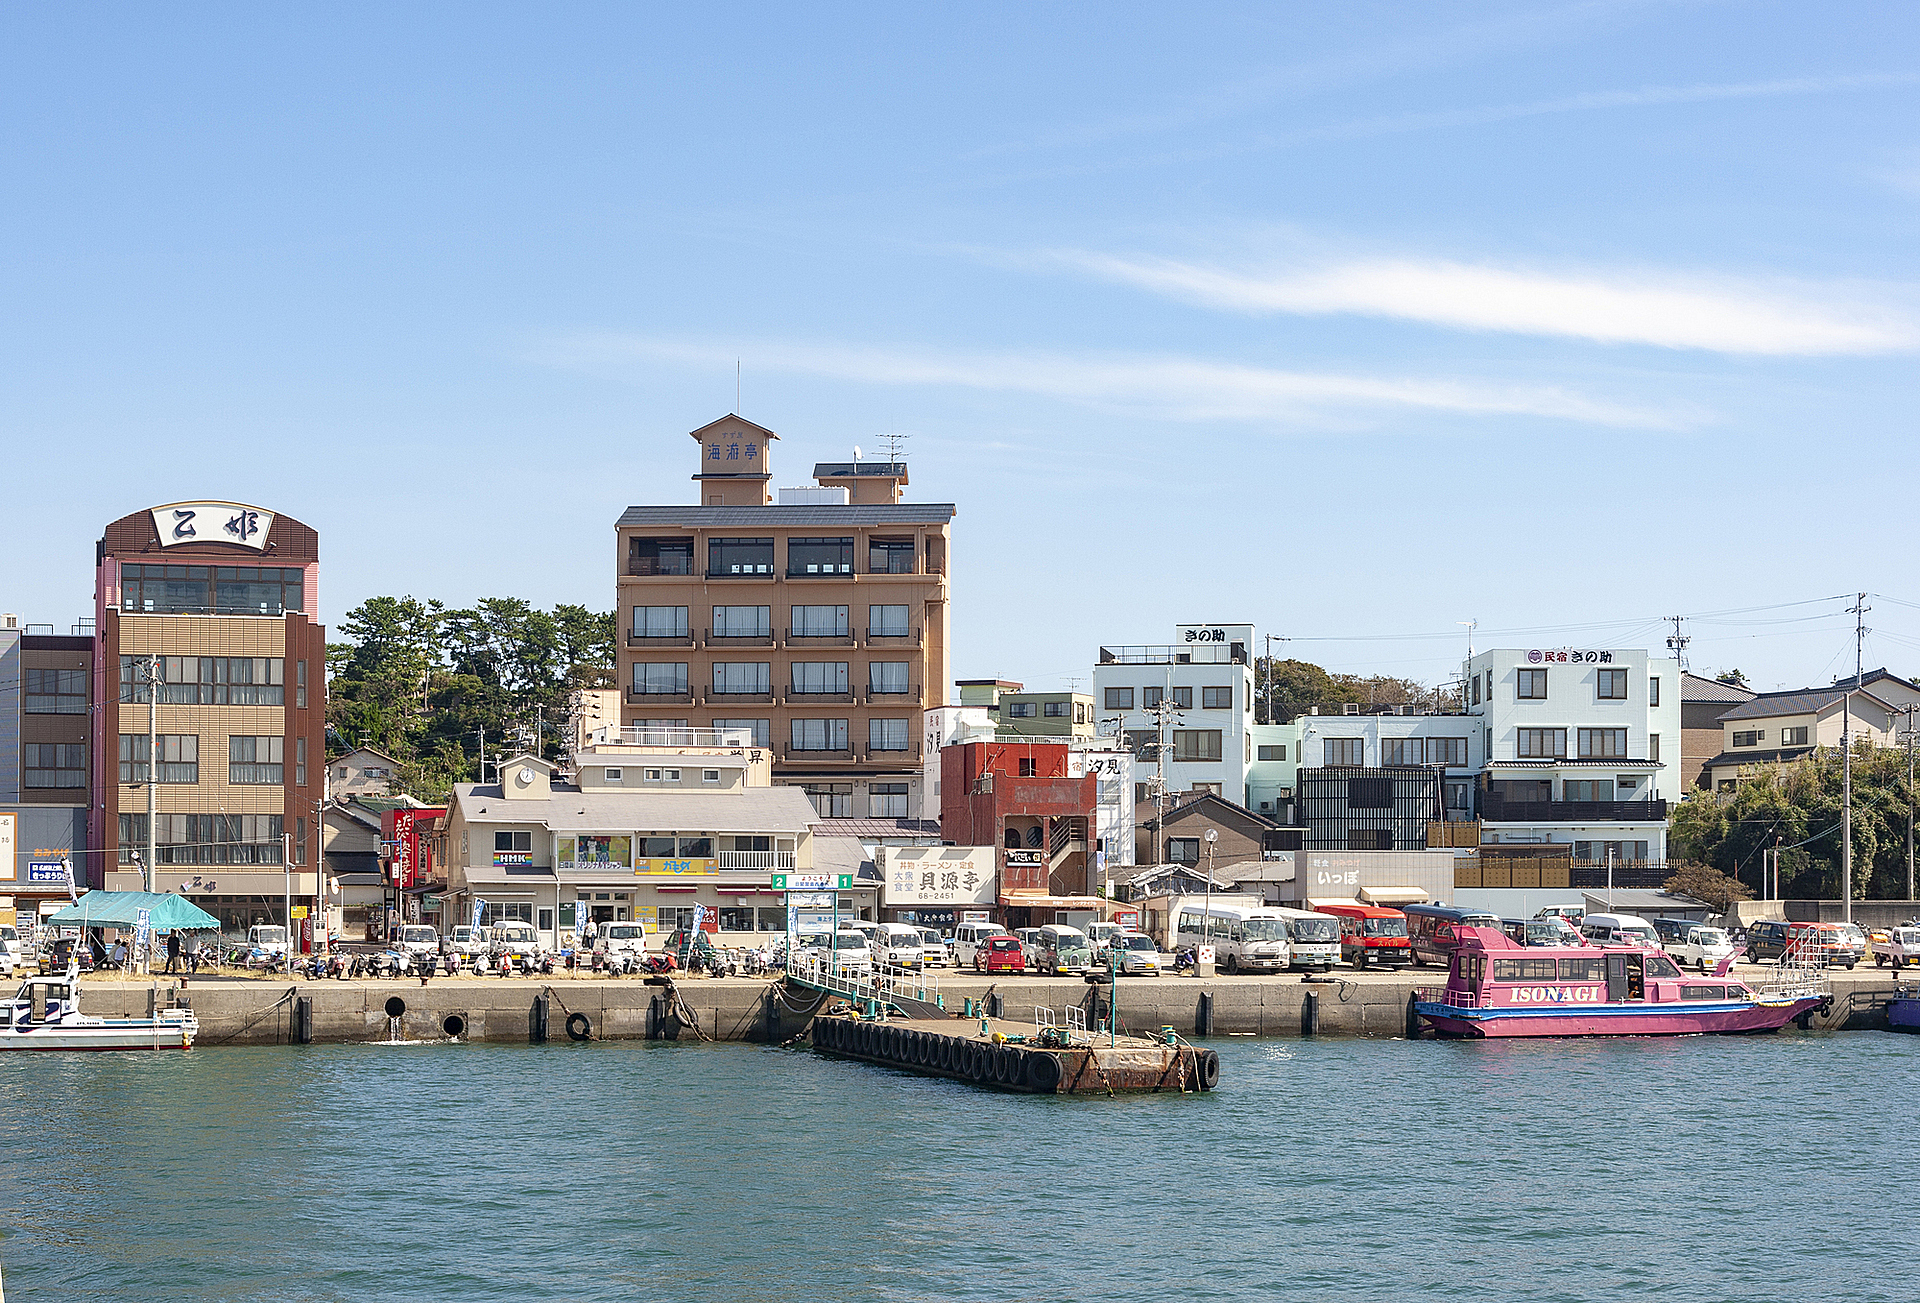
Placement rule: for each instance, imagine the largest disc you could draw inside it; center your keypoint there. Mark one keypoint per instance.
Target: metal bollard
(996, 1006)
(1310, 1015)
(537, 1021)
(1203, 1018)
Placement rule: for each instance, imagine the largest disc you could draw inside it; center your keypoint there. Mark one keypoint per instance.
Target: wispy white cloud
(1174, 388)
(1667, 310)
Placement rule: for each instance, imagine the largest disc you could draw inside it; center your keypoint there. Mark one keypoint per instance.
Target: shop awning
(1321, 902)
(1050, 902)
(1393, 895)
(166, 911)
(494, 878)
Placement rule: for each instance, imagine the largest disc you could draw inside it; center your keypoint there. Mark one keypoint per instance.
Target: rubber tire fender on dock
(1016, 1068)
(1043, 1072)
(945, 1054)
(1206, 1069)
(823, 1032)
(579, 1027)
(917, 1049)
(895, 1038)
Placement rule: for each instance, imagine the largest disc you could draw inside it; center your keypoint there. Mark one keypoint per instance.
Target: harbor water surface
(1683, 1169)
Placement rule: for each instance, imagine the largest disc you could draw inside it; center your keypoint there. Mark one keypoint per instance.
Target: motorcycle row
(394, 964)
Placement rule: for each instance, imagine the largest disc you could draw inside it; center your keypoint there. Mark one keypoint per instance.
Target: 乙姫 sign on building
(212, 522)
(917, 876)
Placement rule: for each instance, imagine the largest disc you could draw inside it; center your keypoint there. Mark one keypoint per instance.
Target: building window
(739, 556)
(819, 735)
(1449, 751)
(1029, 767)
(888, 735)
(1750, 738)
(660, 621)
(205, 838)
(179, 758)
(1151, 697)
(818, 622)
(299, 762)
(1587, 789)
(1144, 743)
(890, 556)
(1055, 709)
(1183, 698)
(887, 678)
(1473, 690)
(1216, 698)
(1653, 747)
(1611, 685)
(760, 728)
(56, 692)
(1793, 737)
(208, 680)
(830, 800)
(300, 685)
(820, 677)
(1372, 792)
(1530, 685)
(660, 678)
(1369, 839)
(211, 590)
(887, 800)
(1345, 751)
(1653, 692)
(256, 761)
(1542, 743)
(1597, 852)
(1274, 753)
(300, 841)
(742, 678)
(1183, 850)
(1119, 699)
(888, 621)
(513, 841)
(709, 775)
(659, 556)
(616, 774)
(1020, 709)
(819, 556)
(1196, 744)
(1403, 751)
(1208, 788)
(55, 764)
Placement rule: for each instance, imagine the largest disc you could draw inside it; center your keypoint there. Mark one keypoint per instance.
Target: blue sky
(1354, 322)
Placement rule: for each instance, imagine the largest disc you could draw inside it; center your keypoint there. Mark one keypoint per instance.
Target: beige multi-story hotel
(818, 621)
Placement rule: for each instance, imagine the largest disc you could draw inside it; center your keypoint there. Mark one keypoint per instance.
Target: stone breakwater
(261, 1012)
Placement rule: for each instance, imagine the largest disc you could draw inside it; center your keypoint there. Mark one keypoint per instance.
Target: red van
(1372, 935)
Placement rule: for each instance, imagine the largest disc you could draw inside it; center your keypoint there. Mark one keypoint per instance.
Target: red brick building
(1016, 797)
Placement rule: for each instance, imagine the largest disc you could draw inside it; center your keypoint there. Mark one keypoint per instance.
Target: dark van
(1430, 929)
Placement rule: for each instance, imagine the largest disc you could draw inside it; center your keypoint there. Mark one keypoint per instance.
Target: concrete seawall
(252, 1012)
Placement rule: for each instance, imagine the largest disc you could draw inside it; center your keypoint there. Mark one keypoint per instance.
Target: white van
(624, 939)
(515, 938)
(469, 942)
(1619, 930)
(896, 945)
(417, 939)
(1100, 935)
(967, 938)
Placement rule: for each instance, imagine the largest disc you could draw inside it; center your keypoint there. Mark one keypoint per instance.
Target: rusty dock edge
(933, 1048)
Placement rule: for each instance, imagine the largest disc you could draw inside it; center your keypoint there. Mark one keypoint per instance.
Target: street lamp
(1212, 837)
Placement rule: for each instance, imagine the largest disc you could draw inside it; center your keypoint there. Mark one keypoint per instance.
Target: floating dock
(1011, 1056)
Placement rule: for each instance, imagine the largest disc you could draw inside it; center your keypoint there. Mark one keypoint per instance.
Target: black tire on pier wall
(1016, 1068)
(821, 1033)
(917, 1049)
(579, 1027)
(303, 1020)
(893, 1044)
(943, 1054)
(1004, 1063)
(1206, 1069)
(1043, 1073)
(1413, 1017)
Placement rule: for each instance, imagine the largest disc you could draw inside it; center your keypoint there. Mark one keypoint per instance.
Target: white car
(1136, 954)
(845, 953)
(417, 940)
(628, 940)
(516, 939)
(1693, 945)
(9, 958)
(967, 938)
(469, 942)
(897, 945)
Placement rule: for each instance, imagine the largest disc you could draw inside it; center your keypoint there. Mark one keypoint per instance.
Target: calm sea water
(1700, 1169)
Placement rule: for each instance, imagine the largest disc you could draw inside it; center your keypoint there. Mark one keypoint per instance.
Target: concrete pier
(252, 1011)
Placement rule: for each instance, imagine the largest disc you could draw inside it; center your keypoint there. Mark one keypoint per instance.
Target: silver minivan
(967, 938)
(897, 945)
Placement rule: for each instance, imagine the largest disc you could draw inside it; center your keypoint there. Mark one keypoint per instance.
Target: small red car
(999, 954)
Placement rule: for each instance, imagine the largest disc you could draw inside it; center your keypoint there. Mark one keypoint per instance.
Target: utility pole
(1909, 739)
(1271, 638)
(1677, 644)
(1163, 713)
(1859, 611)
(147, 870)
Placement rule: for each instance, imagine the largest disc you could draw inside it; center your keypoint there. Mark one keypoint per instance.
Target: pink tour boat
(1497, 987)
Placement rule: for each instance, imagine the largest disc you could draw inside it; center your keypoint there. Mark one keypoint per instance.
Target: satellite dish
(857, 454)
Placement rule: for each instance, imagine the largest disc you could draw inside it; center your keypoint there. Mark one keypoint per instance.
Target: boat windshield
(1708, 936)
(1266, 929)
(1383, 927)
(1315, 929)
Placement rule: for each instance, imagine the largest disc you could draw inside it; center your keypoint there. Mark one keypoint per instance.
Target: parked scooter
(1186, 960)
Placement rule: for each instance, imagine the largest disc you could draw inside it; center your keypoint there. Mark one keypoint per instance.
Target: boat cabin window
(1703, 993)
(1525, 970)
(1661, 966)
(1583, 970)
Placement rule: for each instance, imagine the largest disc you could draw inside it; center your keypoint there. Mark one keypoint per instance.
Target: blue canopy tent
(121, 909)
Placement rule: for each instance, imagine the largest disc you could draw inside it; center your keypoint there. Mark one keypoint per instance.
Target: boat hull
(129, 1034)
(1634, 1019)
(1903, 1013)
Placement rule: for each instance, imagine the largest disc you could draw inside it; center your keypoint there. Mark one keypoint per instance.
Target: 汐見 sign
(212, 522)
(917, 876)
(1540, 656)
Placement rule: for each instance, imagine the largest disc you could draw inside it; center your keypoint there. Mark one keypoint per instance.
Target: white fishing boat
(44, 1014)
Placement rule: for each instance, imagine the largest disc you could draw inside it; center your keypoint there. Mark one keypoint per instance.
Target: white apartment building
(1207, 675)
(1455, 742)
(1580, 746)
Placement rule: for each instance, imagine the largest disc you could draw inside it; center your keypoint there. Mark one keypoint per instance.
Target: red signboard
(412, 853)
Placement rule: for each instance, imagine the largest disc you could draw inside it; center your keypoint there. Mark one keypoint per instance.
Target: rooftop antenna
(736, 386)
(893, 439)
